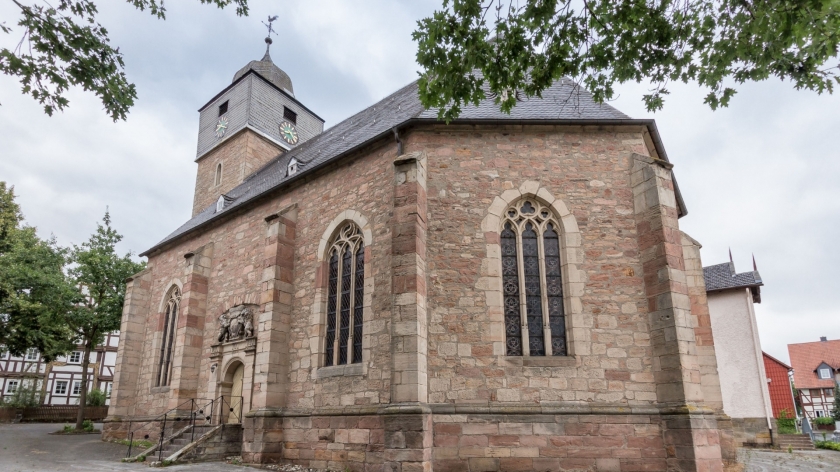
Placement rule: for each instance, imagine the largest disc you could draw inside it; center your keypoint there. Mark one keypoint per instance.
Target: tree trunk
(44, 385)
(80, 417)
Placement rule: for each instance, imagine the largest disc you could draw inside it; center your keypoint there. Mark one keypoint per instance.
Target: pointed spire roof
(266, 68)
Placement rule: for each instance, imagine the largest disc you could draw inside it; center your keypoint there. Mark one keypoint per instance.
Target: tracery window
(170, 323)
(535, 322)
(345, 298)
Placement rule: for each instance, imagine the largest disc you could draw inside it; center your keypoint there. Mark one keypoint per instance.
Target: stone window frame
(578, 341)
(158, 338)
(217, 178)
(319, 307)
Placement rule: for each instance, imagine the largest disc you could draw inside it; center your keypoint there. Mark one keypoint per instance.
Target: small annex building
(503, 292)
(743, 382)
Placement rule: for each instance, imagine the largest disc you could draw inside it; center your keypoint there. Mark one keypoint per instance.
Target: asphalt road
(30, 448)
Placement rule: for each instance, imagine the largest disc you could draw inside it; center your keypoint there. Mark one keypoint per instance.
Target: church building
(395, 293)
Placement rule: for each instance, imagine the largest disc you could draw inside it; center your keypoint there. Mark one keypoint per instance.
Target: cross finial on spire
(271, 31)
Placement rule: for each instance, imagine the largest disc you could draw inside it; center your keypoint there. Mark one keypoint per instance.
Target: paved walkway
(30, 448)
(756, 460)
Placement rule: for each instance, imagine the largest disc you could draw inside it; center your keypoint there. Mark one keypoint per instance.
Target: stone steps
(795, 441)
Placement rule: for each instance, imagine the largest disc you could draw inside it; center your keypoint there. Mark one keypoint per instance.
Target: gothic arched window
(535, 323)
(345, 297)
(218, 178)
(167, 345)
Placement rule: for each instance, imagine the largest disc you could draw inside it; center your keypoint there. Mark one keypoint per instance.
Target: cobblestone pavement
(30, 448)
(756, 460)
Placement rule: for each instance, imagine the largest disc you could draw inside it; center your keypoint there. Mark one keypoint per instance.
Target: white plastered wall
(743, 382)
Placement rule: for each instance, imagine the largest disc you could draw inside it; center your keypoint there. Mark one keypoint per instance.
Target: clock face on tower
(288, 132)
(221, 126)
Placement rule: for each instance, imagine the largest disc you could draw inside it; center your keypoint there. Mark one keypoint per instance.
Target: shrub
(87, 425)
(827, 445)
(785, 423)
(96, 397)
(26, 395)
(824, 420)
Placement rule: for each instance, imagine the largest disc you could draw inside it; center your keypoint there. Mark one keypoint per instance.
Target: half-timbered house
(59, 381)
(815, 367)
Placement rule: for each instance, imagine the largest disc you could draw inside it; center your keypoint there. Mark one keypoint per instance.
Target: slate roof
(806, 357)
(723, 277)
(563, 101)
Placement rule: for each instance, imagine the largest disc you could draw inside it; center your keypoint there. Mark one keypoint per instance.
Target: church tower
(250, 122)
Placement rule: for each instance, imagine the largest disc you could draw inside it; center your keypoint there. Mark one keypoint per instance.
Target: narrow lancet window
(167, 345)
(535, 323)
(345, 298)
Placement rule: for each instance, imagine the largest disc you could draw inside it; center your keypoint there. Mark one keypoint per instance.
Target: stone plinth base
(119, 428)
(751, 432)
(446, 438)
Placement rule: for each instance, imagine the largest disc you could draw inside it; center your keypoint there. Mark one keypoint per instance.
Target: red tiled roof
(806, 357)
(781, 397)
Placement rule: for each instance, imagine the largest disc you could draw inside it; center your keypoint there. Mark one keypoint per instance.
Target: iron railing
(200, 410)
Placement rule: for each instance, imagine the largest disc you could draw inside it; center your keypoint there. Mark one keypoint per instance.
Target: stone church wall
(242, 156)
(435, 388)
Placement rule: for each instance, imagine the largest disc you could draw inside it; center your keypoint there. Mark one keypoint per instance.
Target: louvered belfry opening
(535, 322)
(167, 345)
(345, 298)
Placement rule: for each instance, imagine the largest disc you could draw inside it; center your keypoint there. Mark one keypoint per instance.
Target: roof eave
(648, 123)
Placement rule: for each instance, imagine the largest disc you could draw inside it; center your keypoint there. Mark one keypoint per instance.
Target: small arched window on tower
(535, 322)
(292, 168)
(218, 179)
(167, 345)
(345, 297)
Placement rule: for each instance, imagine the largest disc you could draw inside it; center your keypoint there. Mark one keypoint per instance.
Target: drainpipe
(398, 140)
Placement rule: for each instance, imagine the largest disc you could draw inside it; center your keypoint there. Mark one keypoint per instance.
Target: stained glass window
(345, 298)
(168, 341)
(532, 287)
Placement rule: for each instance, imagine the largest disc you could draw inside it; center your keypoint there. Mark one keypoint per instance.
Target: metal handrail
(196, 409)
(143, 424)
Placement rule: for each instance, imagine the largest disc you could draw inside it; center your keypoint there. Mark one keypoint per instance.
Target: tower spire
(268, 40)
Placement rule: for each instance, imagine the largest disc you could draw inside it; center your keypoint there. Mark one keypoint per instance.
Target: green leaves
(34, 291)
(63, 46)
(503, 46)
(52, 298)
(99, 273)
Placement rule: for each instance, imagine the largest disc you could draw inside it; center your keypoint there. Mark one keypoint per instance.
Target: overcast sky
(760, 177)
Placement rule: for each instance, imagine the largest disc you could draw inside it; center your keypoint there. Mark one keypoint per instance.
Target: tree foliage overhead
(525, 45)
(62, 44)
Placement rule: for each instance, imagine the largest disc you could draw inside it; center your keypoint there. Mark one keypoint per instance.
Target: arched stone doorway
(232, 391)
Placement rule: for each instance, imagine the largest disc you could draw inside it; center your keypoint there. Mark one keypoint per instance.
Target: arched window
(218, 178)
(345, 297)
(535, 323)
(170, 323)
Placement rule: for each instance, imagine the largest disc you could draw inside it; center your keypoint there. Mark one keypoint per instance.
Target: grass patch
(140, 443)
(87, 427)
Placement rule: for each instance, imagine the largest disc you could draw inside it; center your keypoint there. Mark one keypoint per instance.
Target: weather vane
(268, 25)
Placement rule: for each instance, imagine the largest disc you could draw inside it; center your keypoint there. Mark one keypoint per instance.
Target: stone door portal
(235, 401)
